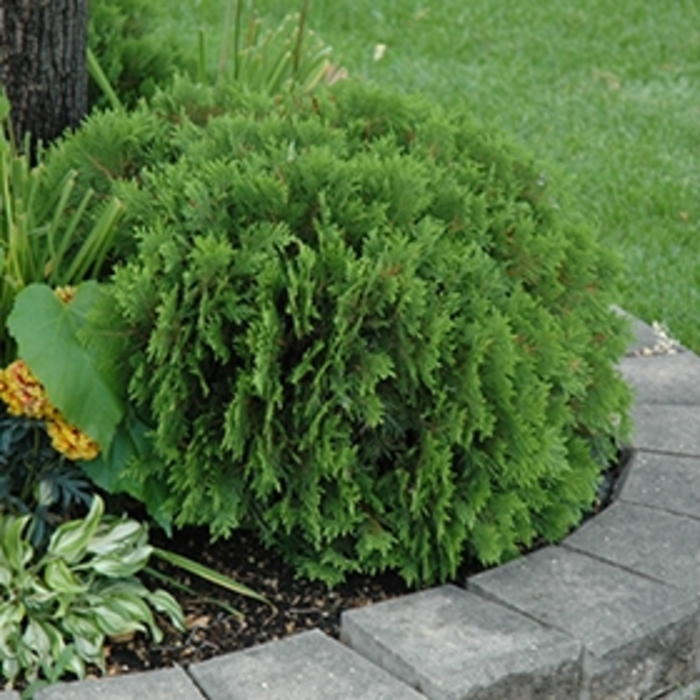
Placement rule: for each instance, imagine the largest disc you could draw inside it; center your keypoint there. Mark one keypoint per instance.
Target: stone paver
(9, 695)
(654, 379)
(164, 684)
(639, 635)
(664, 481)
(454, 645)
(307, 666)
(666, 428)
(647, 540)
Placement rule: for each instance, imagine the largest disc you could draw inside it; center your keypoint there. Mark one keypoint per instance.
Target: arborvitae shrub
(359, 325)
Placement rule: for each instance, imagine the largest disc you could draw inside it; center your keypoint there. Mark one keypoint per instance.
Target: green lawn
(605, 93)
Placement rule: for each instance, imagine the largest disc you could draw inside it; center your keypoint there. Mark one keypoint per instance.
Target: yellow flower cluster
(22, 392)
(25, 396)
(65, 294)
(68, 440)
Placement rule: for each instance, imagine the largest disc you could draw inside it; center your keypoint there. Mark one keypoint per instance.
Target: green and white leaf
(71, 539)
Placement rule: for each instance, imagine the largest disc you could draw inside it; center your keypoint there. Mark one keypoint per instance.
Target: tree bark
(42, 64)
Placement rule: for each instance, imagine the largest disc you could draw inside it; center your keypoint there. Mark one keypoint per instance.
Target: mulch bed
(298, 604)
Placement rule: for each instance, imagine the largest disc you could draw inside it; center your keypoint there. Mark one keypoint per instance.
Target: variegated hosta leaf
(36, 638)
(5, 578)
(71, 539)
(127, 564)
(15, 549)
(60, 578)
(114, 538)
(113, 621)
(56, 612)
(163, 602)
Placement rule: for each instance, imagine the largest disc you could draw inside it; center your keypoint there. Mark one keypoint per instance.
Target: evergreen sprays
(358, 324)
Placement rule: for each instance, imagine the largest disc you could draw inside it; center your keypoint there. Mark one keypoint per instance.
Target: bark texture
(42, 64)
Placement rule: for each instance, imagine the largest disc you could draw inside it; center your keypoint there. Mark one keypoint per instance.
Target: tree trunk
(42, 64)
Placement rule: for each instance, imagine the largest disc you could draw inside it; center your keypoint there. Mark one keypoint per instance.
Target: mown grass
(606, 94)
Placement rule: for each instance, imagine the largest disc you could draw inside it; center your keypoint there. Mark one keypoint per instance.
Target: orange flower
(23, 392)
(25, 396)
(70, 441)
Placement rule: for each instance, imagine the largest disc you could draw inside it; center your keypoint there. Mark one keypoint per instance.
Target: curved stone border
(612, 612)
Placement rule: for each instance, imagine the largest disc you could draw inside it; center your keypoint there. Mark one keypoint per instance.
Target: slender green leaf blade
(207, 574)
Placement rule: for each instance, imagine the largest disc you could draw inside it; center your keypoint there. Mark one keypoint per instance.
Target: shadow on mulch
(298, 604)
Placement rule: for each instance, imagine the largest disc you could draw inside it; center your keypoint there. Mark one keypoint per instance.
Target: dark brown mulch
(298, 604)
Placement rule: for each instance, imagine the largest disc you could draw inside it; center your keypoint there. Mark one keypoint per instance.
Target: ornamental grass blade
(178, 585)
(98, 75)
(92, 252)
(208, 574)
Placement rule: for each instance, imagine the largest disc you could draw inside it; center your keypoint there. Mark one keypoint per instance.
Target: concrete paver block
(654, 379)
(163, 684)
(664, 481)
(454, 645)
(649, 541)
(9, 695)
(666, 428)
(639, 635)
(307, 666)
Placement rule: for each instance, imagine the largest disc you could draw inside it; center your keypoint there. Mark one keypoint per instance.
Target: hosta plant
(58, 607)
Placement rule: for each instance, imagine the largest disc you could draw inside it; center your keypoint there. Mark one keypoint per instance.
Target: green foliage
(207, 574)
(44, 234)
(57, 608)
(272, 60)
(84, 378)
(360, 325)
(134, 55)
(76, 378)
(105, 156)
(35, 479)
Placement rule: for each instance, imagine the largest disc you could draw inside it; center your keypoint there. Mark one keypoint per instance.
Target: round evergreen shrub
(359, 324)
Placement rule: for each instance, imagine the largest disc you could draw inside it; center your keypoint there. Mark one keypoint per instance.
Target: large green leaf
(46, 331)
(107, 470)
(110, 470)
